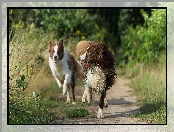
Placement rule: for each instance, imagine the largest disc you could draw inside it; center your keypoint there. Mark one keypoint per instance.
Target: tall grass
(33, 91)
(150, 87)
(25, 62)
(149, 84)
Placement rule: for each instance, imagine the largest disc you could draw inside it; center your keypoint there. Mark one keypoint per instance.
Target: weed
(76, 113)
(28, 110)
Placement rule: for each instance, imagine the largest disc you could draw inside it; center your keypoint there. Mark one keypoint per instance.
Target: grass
(62, 110)
(149, 84)
(44, 107)
(130, 72)
(76, 113)
(28, 110)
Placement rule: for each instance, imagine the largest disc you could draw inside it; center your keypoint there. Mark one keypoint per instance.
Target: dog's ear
(60, 44)
(51, 42)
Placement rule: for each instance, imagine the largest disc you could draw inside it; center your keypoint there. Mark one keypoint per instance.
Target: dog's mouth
(83, 62)
(55, 59)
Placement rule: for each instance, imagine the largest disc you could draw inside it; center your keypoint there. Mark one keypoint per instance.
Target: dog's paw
(100, 113)
(100, 116)
(68, 101)
(73, 102)
(60, 86)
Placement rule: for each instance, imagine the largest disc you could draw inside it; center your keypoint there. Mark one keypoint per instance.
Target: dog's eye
(53, 51)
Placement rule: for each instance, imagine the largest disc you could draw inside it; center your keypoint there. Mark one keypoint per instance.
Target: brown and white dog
(64, 68)
(99, 70)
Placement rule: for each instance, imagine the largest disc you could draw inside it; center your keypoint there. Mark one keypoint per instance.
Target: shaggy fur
(99, 71)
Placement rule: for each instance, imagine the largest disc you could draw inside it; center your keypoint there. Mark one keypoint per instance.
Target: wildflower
(83, 37)
(78, 32)
(10, 11)
(30, 68)
(13, 24)
(17, 25)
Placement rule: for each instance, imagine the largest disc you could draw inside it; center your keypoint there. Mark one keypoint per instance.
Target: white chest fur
(95, 79)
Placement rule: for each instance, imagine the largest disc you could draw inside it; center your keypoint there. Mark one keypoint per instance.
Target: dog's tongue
(55, 61)
(86, 64)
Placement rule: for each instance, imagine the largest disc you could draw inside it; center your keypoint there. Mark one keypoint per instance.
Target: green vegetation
(146, 65)
(150, 87)
(28, 110)
(144, 43)
(136, 37)
(74, 113)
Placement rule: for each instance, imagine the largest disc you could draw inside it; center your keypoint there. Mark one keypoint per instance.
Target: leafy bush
(78, 24)
(76, 113)
(27, 110)
(146, 43)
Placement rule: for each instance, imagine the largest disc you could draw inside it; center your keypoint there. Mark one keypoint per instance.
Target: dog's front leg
(66, 88)
(105, 100)
(58, 82)
(84, 97)
(68, 96)
(89, 95)
(66, 83)
(101, 104)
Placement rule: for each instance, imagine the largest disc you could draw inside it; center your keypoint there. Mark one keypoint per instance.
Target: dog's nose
(55, 57)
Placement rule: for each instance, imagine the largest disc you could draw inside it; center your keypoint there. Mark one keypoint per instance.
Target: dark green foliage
(27, 110)
(144, 43)
(20, 83)
(134, 35)
(76, 113)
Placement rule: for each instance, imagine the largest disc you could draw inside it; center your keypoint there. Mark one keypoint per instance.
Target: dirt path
(121, 104)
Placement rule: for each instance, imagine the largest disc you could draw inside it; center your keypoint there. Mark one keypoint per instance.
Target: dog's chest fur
(95, 79)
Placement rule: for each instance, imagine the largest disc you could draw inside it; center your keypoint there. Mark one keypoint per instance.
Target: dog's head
(56, 51)
(83, 60)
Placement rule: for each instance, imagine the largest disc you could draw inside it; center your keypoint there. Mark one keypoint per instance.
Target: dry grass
(150, 88)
